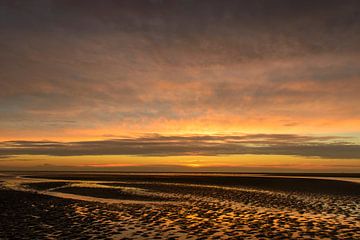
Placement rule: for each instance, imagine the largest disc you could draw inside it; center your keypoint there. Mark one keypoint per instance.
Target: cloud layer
(193, 72)
(198, 145)
(68, 65)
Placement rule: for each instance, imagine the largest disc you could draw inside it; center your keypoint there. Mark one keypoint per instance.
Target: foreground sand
(177, 207)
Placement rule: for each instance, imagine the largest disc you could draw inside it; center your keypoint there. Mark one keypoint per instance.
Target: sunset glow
(180, 86)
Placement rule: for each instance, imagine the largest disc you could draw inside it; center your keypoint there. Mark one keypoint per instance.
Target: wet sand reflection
(176, 210)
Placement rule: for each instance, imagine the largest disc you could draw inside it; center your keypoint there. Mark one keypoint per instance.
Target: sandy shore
(188, 207)
(306, 185)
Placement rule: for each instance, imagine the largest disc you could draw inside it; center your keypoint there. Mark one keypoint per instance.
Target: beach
(177, 206)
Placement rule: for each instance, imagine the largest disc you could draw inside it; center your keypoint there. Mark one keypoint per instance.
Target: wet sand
(178, 207)
(306, 185)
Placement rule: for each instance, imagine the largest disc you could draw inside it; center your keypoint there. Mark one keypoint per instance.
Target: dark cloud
(225, 31)
(203, 145)
(212, 32)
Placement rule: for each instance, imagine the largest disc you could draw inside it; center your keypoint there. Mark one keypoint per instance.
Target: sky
(180, 85)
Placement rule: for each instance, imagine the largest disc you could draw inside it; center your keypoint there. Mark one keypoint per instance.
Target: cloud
(106, 63)
(196, 145)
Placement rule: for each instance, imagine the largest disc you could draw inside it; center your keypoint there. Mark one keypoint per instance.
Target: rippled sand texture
(173, 208)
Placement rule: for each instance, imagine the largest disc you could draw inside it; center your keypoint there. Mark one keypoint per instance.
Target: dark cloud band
(197, 145)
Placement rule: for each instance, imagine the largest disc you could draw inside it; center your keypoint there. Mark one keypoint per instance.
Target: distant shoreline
(347, 177)
(282, 174)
